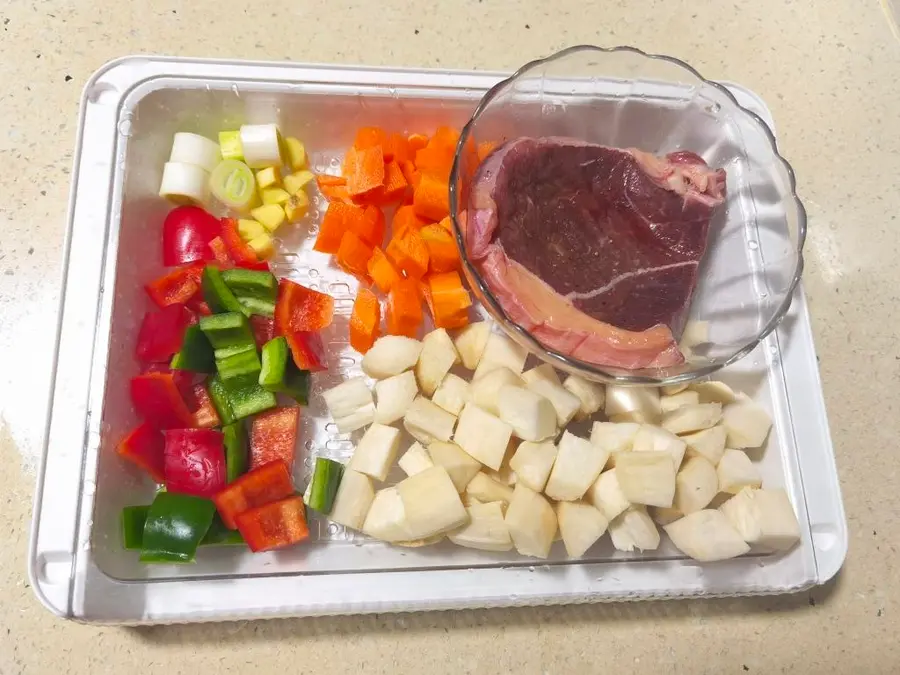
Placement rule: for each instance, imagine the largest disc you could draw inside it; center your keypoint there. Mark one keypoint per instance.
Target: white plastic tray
(77, 565)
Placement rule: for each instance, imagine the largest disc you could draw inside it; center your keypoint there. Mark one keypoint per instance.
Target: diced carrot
(416, 142)
(409, 254)
(405, 218)
(484, 149)
(443, 256)
(451, 321)
(431, 199)
(447, 224)
(404, 310)
(448, 295)
(365, 321)
(396, 149)
(410, 173)
(364, 169)
(436, 161)
(382, 271)
(335, 223)
(220, 252)
(393, 190)
(445, 137)
(323, 179)
(336, 193)
(368, 225)
(370, 137)
(353, 256)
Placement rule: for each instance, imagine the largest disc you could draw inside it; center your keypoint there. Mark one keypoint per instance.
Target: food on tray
(488, 442)
(594, 250)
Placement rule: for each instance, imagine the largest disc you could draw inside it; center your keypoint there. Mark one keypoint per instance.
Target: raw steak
(595, 250)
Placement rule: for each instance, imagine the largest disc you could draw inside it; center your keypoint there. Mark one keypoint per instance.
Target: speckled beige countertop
(829, 72)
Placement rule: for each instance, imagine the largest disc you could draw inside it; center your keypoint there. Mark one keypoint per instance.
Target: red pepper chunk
(274, 525)
(205, 414)
(263, 328)
(144, 448)
(178, 286)
(273, 436)
(187, 231)
(157, 399)
(301, 308)
(307, 350)
(194, 461)
(263, 485)
(239, 252)
(162, 332)
(219, 251)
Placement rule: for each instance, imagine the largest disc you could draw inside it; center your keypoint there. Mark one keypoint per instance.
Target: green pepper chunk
(175, 525)
(247, 397)
(216, 292)
(257, 306)
(236, 365)
(279, 373)
(325, 481)
(227, 331)
(196, 354)
(219, 396)
(235, 439)
(251, 283)
(133, 518)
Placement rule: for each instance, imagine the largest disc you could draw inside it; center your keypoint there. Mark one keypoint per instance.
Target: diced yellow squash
(296, 207)
(230, 145)
(296, 153)
(268, 177)
(250, 229)
(295, 182)
(270, 215)
(263, 246)
(274, 195)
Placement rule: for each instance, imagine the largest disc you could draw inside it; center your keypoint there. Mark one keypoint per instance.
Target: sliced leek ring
(195, 149)
(232, 183)
(262, 145)
(184, 183)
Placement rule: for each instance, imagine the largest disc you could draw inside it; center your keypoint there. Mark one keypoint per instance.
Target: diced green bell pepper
(219, 396)
(235, 439)
(280, 374)
(216, 292)
(243, 363)
(257, 306)
(196, 354)
(134, 517)
(325, 481)
(251, 283)
(227, 331)
(175, 525)
(247, 397)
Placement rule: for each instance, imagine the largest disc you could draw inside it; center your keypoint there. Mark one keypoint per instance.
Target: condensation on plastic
(77, 565)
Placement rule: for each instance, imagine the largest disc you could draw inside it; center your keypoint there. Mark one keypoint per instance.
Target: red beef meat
(593, 249)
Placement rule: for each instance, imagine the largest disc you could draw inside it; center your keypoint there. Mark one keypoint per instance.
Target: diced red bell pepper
(178, 286)
(157, 398)
(307, 350)
(199, 306)
(195, 461)
(187, 231)
(238, 250)
(274, 525)
(263, 328)
(301, 308)
(265, 484)
(273, 436)
(205, 414)
(162, 332)
(259, 266)
(183, 379)
(219, 252)
(144, 447)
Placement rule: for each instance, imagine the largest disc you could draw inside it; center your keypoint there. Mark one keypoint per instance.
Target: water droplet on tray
(235, 90)
(753, 245)
(126, 127)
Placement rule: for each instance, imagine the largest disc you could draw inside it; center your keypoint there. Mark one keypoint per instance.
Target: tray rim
(131, 72)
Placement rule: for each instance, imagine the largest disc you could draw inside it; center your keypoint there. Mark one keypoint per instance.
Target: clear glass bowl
(625, 98)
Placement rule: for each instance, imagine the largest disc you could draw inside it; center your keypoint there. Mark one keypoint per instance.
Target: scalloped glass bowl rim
(591, 371)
